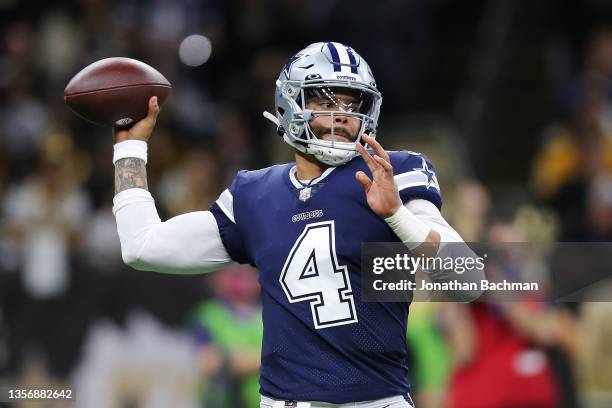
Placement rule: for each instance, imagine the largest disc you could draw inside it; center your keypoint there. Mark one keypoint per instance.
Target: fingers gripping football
(142, 129)
(381, 191)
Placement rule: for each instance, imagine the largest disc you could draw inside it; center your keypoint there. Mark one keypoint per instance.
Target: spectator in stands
(228, 331)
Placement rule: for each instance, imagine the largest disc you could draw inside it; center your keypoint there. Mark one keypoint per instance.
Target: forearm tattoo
(130, 173)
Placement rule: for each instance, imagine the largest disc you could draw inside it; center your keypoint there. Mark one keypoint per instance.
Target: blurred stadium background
(511, 99)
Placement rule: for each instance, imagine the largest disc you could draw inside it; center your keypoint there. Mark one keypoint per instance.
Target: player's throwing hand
(381, 191)
(142, 129)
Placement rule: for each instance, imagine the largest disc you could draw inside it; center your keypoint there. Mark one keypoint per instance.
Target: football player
(302, 225)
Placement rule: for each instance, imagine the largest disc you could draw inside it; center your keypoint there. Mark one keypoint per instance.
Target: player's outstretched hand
(142, 129)
(381, 191)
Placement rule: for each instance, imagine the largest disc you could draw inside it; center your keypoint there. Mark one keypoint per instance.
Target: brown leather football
(115, 91)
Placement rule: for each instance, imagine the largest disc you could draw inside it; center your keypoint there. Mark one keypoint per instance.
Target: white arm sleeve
(188, 243)
(427, 212)
(430, 215)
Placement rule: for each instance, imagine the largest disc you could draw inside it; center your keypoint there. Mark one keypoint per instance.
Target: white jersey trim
(415, 178)
(301, 184)
(226, 203)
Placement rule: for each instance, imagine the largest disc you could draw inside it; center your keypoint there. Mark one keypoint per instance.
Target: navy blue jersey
(321, 343)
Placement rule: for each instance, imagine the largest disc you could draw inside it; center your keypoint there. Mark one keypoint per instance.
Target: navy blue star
(431, 176)
(289, 64)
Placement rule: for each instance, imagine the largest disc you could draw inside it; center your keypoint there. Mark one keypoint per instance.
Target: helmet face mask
(335, 117)
(326, 102)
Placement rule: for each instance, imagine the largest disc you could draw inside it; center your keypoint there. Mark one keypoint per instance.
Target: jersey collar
(301, 184)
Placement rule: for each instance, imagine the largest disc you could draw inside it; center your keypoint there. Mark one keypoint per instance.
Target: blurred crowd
(72, 314)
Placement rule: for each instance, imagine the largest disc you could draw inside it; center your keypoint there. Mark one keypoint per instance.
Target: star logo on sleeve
(432, 181)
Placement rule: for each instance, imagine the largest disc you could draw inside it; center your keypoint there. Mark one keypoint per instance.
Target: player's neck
(307, 167)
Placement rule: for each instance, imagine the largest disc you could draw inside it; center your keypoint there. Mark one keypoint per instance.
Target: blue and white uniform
(321, 342)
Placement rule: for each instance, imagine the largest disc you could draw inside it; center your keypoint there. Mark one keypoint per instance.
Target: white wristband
(136, 149)
(408, 227)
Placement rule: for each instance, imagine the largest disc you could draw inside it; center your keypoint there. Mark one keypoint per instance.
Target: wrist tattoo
(130, 173)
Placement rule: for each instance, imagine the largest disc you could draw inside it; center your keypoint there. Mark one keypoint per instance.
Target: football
(115, 91)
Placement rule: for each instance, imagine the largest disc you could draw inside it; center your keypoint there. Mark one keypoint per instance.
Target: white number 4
(311, 273)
